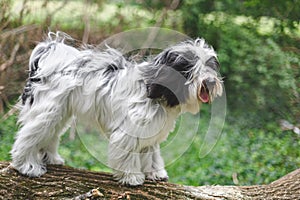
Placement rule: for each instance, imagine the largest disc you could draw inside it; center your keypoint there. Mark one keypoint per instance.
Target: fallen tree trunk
(62, 182)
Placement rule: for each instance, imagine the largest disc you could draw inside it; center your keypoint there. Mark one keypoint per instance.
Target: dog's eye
(183, 66)
(174, 59)
(213, 63)
(171, 57)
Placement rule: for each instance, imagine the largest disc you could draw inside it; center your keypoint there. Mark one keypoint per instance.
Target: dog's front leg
(153, 164)
(124, 159)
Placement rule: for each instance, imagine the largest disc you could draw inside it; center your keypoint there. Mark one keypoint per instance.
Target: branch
(87, 23)
(11, 59)
(62, 182)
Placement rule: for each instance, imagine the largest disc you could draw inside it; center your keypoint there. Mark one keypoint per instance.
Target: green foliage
(253, 156)
(286, 13)
(8, 128)
(76, 154)
(258, 75)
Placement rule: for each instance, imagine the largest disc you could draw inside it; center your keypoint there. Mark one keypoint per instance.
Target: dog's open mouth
(203, 94)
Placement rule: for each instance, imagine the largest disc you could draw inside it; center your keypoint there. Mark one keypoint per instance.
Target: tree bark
(62, 182)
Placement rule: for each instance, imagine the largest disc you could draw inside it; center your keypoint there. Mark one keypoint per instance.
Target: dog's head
(186, 73)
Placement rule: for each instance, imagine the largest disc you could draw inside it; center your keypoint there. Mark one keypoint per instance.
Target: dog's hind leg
(37, 141)
(50, 152)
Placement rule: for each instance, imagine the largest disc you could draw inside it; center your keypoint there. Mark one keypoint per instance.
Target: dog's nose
(210, 83)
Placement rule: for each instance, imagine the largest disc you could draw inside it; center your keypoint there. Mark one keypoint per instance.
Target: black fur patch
(171, 74)
(168, 86)
(27, 91)
(110, 69)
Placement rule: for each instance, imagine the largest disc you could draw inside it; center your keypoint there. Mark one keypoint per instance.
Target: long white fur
(75, 83)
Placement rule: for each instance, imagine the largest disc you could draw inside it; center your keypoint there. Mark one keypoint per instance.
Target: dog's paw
(54, 160)
(130, 179)
(37, 171)
(160, 175)
(31, 170)
(58, 161)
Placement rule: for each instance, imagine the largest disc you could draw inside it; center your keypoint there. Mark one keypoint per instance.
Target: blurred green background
(258, 43)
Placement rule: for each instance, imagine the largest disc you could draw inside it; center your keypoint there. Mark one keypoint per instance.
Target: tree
(63, 182)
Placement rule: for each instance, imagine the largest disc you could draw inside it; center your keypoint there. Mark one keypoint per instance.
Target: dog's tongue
(203, 96)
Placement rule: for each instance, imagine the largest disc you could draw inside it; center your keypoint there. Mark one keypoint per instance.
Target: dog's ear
(169, 78)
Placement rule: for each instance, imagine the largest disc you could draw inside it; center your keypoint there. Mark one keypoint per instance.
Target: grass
(251, 156)
(8, 128)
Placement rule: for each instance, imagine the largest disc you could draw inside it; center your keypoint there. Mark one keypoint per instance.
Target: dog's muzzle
(205, 90)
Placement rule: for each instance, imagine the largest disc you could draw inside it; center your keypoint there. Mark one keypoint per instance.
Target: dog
(134, 104)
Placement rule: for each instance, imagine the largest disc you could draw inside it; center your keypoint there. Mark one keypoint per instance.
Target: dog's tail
(48, 57)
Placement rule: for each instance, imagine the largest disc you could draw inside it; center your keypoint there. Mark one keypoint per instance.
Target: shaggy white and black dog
(134, 104)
